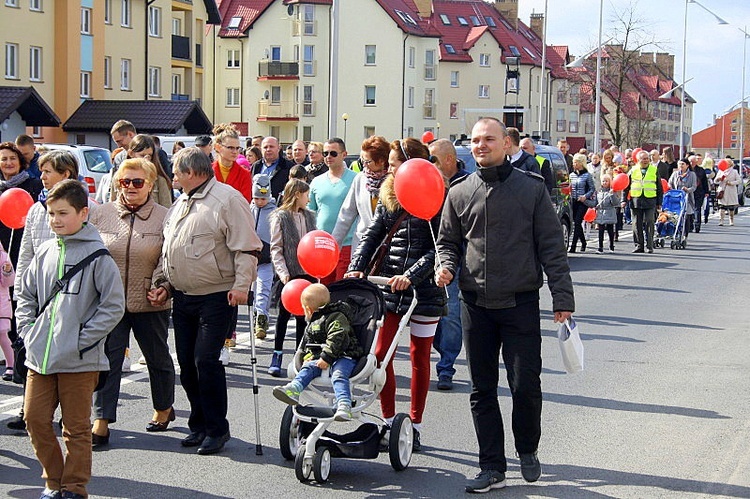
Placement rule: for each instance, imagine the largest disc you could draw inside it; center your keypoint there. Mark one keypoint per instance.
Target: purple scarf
(374, 179)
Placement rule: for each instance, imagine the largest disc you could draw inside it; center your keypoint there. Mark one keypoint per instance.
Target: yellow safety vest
(640, 185)
(540, 160)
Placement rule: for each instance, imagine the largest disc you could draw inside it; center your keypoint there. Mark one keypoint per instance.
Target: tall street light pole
(598, 99)
(745, 36)
(542, 80)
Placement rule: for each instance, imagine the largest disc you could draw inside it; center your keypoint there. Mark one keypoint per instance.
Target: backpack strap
(60, 283)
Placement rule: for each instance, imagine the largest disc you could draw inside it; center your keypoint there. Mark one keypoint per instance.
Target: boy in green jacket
(65, 343)
(329, 342)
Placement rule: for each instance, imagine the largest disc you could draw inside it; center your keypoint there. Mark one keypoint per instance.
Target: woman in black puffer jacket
(410, 261)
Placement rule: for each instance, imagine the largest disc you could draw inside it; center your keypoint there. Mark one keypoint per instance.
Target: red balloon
(635, 154)
(620, 182)
(427, 137)
(14, 206)
(590, 215)
(291, 295)
(664, 185)
(420, 188)
(723, 164)
(318, 253)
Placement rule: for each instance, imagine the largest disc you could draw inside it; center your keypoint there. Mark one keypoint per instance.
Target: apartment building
(722, 138)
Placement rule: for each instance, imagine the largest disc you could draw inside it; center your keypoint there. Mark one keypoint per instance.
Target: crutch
(254, 365)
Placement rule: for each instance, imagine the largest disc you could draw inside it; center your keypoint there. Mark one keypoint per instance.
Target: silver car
(93, 162)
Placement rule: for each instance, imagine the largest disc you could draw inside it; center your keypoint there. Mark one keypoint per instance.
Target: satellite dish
(290, 10)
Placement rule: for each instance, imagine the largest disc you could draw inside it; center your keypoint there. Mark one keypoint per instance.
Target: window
(428, 110)
(107, 11)
(125, 74)
(449, 48)
(410, 97)
(35, 5)
(234, 23)
(233, 58)
(11, 61)
(369, 131)
(734, 137)
(462, 21)
(531, 54)
(308, 104)
(308, 61)
(176, 83)
(233, 97)
(307, 133)
(445, 19)
(85, 84)
(406, 17)
(429, 65)
(369, 95)
(309, 20)
(484, 91)
(490, 22)
(176, 26)
(484, 60)
(412, 56)
(35, 64)
(276, 54)
(125, 13)
(154, 21)
(453, 110)
(275, 131)
(154, 81)
(475, 20)
(410, 131)
(276, 95)
(107, 72)
(369, 55)
(11, 3)
(573, 124)
(36, 131)
(85, 21)
(454, 79)
(514, 51)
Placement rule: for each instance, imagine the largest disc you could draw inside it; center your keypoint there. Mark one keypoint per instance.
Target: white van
(93, 162)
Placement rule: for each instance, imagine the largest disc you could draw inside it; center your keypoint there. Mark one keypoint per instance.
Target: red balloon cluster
(318, 253)
(291, 295)
(620, 182)
(14, 206)
(590, 215)
(427, 137)
(723, 164)
(419, 187)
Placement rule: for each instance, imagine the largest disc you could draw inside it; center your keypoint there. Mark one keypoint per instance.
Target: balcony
(180, 47)
(304, 28)
(428, 111)
(308, 108)
(277, 111)
(277, 70)
(573, 127)
(561, 125)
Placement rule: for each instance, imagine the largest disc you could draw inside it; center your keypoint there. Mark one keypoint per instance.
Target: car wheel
(566, 232)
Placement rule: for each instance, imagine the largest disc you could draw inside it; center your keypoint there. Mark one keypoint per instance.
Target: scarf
(311, 168)
(43, 196)
(374, 180)
(15, 181)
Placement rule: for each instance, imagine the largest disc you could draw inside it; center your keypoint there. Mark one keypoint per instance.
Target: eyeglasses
(231, 148)
(138, 183)
(365, 162)
(333, 154)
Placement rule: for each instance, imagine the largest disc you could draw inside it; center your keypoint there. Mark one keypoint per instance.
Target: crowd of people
(217, 225)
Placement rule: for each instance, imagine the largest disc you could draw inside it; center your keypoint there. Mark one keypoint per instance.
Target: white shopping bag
(571, 346)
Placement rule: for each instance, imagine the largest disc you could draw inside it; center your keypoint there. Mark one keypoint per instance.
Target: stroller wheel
(671, 245)
(303, 466)
(290, 434)
(401, 442)
(683, 244)
(321, 465)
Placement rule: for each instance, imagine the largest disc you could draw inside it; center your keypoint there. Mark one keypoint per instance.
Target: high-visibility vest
(540, 160)
(640, 185)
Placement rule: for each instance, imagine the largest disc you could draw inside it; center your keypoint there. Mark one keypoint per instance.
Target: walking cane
(254, 364)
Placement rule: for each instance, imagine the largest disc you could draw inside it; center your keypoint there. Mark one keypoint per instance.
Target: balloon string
(438, 264)
(10, 242)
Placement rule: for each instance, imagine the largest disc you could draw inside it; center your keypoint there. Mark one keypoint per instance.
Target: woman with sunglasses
(409, 262)
(226, 168)
(144, 147)
(131, 228)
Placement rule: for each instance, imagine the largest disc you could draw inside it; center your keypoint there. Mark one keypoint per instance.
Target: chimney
(424, 8)
(509, 10)
(537, 24)
(665, 63)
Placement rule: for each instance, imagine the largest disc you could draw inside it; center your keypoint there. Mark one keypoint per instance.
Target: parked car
(168, 141)
(93, 163)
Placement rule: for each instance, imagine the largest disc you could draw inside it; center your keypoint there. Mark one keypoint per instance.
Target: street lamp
(542, 81)
(345, 117)
(742, 103)
(684, 62)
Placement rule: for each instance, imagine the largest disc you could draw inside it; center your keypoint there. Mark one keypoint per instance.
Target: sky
(714, 52)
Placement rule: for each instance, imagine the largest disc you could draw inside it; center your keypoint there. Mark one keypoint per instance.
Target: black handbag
(376, 262)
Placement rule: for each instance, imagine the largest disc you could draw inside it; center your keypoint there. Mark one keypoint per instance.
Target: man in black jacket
(701, 190)
(508, 212)
(273, 165)
(518, 157)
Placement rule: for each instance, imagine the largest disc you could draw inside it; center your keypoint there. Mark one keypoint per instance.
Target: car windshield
(97, 161)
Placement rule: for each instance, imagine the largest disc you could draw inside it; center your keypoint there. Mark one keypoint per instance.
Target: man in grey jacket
(501, 228)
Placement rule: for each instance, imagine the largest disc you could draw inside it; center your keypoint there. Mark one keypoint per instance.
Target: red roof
(587, 99)
(406, 16)
(247, 10)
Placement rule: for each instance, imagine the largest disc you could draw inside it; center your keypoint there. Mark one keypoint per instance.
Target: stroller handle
(379, 280)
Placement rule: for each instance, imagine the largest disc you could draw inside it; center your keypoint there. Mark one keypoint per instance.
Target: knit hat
(262, 186)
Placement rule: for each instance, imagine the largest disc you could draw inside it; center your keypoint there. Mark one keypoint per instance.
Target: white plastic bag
(571, 346)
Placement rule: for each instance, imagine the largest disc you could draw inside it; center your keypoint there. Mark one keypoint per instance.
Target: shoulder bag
(373, 268)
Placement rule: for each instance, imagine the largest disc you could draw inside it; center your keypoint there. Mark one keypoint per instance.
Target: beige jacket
(135, 241)
(210, 244)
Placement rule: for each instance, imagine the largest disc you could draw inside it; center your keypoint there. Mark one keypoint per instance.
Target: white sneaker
(224, 356)
(343, 413)
(126, 361)
(142, 360)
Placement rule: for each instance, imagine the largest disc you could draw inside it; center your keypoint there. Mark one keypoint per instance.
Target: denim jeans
(448, 335)
(263, 288)
(341, 370)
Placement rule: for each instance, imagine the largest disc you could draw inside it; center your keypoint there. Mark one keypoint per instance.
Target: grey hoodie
(68, 336)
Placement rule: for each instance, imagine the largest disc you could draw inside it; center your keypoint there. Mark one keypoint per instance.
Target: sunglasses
(138, 183)
(333, 154)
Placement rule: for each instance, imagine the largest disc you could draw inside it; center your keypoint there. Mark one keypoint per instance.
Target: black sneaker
(485, 481)
(445, 382)
(16, 423)
(531, 469)
(416, 444)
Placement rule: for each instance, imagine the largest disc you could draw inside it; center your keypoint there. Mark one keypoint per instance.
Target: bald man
(299, 153)
(274, 165)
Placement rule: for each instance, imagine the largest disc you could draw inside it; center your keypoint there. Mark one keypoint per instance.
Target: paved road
(660, 411)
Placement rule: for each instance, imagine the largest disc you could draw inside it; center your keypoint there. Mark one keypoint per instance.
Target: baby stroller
(304, 435)
(674, 201)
